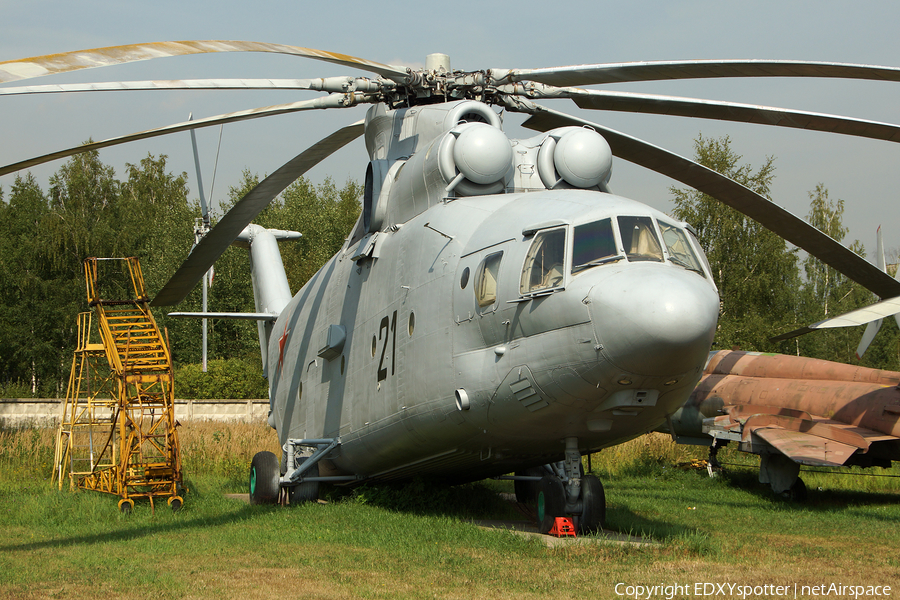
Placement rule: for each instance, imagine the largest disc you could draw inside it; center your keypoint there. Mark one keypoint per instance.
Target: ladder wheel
(175, 503)
(126, 506)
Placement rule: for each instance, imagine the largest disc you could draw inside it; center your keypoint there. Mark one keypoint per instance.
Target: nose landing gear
(564, 490)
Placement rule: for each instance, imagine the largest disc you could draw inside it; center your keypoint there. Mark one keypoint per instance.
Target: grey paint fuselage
(604, 358)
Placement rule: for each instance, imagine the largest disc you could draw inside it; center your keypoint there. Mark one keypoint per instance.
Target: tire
(798, 491)
(307, 491)
(551, 502)
(593, 502)
(264, 479)
(527, 491)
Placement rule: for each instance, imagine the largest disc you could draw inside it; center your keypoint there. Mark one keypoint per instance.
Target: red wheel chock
(563, 527)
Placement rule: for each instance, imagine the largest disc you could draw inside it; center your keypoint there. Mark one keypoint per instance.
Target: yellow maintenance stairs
(118, 431)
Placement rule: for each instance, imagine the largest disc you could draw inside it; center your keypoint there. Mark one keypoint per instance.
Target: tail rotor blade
(204, 210)
(873, 326)
(868, 335)
(224, 233)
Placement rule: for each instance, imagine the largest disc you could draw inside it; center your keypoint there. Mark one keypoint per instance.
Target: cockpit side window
(594, 244)
(545, 264)
(679, 247)
(486, 279)
(639, 239)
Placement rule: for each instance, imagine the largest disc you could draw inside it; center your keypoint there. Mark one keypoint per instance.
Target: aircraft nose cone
(655, 321)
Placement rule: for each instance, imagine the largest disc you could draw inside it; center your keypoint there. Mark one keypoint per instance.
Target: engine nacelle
(576, 156)
(421, 155)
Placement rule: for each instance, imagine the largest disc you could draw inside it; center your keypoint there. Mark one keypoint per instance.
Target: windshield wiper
(681, 263)
(594, 263)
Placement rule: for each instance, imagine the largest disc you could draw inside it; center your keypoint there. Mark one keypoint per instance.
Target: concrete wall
(47, 411)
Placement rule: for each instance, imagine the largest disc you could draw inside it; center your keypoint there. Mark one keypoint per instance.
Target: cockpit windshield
(679, 247)
(639, 239)
(594, 244)
(545, 263)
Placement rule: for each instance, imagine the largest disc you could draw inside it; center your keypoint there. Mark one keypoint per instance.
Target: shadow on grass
(423, 496)
(624, 520)
(134, 526)
(820, 500)
(677, 536)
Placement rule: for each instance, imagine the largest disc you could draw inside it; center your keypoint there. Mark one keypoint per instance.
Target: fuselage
(448, 367)
(850, 394)
(475, 335)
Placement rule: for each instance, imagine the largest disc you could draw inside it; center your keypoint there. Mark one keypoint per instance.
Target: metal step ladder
(118, 430)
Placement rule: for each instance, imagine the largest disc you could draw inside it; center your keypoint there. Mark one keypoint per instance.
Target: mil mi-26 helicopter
(496, 308)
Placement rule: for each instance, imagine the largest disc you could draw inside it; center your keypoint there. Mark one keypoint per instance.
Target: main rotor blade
(730, 111)
(51, 64)
(331, 101)
(767, 213)
(860, 316)
(241, 214)
(692, 69)
(169, 84)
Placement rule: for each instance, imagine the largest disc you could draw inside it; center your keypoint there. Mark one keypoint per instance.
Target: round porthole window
(412, 323)
(464, 280)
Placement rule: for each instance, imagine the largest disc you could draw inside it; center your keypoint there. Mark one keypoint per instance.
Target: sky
(476, 35)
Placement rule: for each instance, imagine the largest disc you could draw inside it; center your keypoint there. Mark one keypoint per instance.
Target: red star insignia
(282, 342)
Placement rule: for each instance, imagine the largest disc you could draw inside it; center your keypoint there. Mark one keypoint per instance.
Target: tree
(323, 214)
(828, 293)
(30, 347)
(88, 212)
(84, 196)
(755, 271)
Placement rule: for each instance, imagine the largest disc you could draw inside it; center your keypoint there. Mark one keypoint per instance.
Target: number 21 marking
(387, 327)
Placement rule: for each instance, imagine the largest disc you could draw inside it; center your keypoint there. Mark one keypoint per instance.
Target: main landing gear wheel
(551, 502)
(593, 502)
(264, 478)
(307, 491)
(526, 491)
(797, 493)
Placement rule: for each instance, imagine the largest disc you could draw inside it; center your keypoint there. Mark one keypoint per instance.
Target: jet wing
(807, 449)
(806, 439)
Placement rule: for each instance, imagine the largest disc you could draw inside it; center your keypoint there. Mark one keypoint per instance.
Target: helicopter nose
(655, 321)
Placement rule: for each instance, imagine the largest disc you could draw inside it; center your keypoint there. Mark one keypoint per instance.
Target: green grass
(418, 540)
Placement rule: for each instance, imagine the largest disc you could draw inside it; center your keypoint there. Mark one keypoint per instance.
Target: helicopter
(496, 309)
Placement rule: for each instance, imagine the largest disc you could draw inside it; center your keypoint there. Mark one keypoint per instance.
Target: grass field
(420, 541)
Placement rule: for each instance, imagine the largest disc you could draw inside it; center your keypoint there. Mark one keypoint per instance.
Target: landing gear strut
(298, 474)
(782, 474)
(564, 490)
